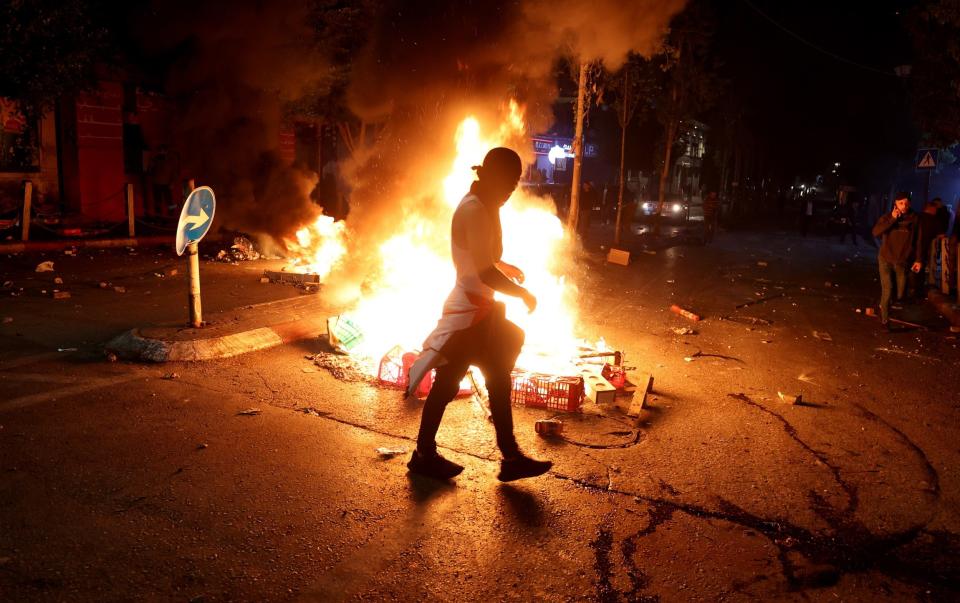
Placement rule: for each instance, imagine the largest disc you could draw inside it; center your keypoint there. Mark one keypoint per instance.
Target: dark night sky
(812, 108)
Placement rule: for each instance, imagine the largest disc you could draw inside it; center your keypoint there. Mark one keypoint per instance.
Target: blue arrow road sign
(195, 217)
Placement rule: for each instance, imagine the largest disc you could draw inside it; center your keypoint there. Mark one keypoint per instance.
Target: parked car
(673, 211)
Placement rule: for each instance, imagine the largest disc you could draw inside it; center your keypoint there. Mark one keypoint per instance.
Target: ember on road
(535, 301)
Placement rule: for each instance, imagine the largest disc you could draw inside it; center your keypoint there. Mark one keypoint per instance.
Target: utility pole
(573, 214)
(623, 148)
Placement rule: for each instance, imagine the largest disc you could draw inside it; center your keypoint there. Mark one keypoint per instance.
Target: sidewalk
(226, 334)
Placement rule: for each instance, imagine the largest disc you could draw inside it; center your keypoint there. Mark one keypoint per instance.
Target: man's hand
(916, 266)
(511, 272)
(896, 213)
(529, 300)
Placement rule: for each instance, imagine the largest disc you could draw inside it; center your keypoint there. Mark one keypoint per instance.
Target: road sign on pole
(195, 220)
(927, 159)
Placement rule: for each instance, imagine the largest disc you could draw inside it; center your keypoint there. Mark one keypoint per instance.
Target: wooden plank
(644, 386)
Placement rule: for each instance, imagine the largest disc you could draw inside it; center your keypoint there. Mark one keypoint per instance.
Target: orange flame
(402, 304)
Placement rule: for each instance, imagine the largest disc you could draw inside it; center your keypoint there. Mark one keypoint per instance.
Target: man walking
(473, 329)
(900, 246)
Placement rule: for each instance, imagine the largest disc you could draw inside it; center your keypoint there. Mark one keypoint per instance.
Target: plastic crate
(394, 370)
(547, 391)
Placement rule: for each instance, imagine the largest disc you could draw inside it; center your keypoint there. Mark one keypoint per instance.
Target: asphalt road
(125, 482)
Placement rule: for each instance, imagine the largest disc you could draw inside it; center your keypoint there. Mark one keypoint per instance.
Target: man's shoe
(521, 466)
(434, 466)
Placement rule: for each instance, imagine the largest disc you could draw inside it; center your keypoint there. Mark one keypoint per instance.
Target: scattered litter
(264, 279)
(828, 284)
(61, 295)
(683, 331)
(58, 281)
(790, 399)
(250, 412)
(748, 320)
(201, 446)
(906, 353)
(308, 369)
(762, 264)
(822, 336)
(170, 272)
(685, 313)
(104, 285)
(45, 267)
(120, 289)
(760, 300)
(550, 427)
(242, 249)
(111, 357)
(66, 349)
(171, 376)
(649, 252)
(390, 452)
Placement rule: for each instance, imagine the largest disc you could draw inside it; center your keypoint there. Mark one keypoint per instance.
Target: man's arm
(884, 224)
(477, 233)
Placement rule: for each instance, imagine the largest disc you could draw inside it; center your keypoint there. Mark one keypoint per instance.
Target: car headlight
(647, 206)
(677, 208)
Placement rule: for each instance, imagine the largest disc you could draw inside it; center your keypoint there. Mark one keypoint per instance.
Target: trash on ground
(790, 398)
(201, 446)
(45, 267)
(762, 264)
(171, 376)
(308, 369)
(120, 289)
(649, 252)
(548, 427)
(250, 412)
(57, 281)
(242, 249)
(683, 331)
(822, 335)
(66, 349)
(618, 256)
(390, 452)
(684, 312)
(61, 295)
(342, 333)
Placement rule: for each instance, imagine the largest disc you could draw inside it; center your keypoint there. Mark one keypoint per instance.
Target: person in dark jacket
(899, 231)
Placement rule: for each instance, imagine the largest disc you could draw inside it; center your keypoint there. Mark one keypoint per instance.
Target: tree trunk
(573, 214)
(665, 171)
(623, 148)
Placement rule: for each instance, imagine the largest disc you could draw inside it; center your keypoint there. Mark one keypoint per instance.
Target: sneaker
(520, 467)
(434, 466)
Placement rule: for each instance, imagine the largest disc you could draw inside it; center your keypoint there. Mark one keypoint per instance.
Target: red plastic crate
(547, 391)
(395, 369)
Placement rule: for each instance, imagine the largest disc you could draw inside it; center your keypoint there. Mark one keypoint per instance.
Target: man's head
(499, 174)
(902, 202)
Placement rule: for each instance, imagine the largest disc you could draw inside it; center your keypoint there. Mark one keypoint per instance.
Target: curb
(28, 246)
(132, 346)
(944, 306)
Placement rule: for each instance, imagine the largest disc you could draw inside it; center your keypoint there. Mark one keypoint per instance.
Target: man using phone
(899, 232)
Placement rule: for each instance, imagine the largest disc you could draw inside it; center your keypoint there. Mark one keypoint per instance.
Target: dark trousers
(886, 285)
(492, 345)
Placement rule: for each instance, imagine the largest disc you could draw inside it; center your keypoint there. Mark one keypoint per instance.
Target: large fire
(402, 301)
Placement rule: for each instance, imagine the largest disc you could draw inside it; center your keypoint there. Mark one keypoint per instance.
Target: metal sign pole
(195, 219)
(196, 315)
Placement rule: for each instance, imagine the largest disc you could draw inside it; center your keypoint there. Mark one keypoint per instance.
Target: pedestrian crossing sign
(927, 159)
